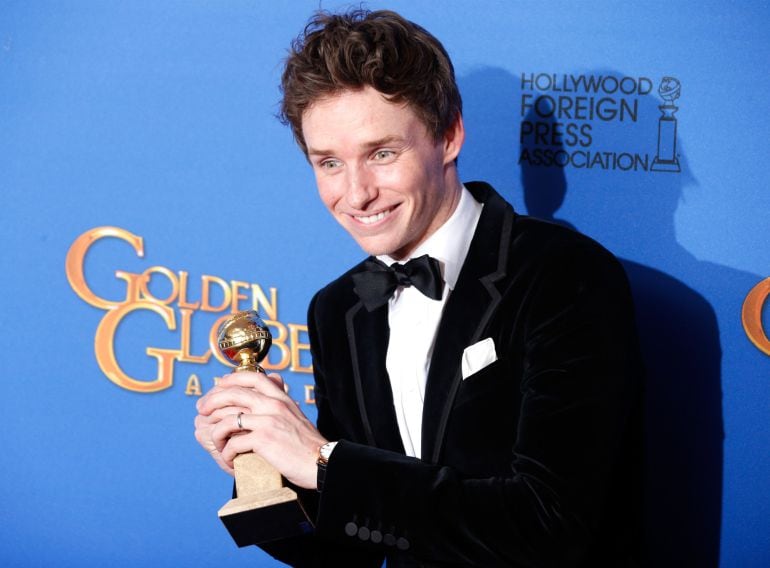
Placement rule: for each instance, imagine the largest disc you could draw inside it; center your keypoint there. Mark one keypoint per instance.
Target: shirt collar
(450, 243)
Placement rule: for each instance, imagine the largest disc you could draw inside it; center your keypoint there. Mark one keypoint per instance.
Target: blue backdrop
(147, 189)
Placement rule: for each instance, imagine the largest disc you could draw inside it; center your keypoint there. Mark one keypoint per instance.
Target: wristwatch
(324, 453)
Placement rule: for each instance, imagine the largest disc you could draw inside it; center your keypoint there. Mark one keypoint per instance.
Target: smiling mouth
(371, 219)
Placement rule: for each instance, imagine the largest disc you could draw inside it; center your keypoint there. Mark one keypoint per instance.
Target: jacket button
(351, 529)
(363, 533)
(402, 544)
(376, 537)
(389, 539)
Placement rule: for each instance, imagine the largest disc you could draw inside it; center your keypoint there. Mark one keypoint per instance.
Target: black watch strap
(321, 476)
(324, 452)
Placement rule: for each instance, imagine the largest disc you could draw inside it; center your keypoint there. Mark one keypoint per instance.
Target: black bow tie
(376, 285)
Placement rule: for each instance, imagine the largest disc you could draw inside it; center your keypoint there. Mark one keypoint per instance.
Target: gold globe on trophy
(244, 339)
(264, 509)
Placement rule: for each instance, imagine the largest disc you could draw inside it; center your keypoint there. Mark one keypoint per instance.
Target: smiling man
(476, 377)
(379, 171)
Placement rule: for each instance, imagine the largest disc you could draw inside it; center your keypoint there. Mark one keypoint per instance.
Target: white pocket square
(478, 356)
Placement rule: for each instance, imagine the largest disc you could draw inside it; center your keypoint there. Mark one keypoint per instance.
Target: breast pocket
(492, 381)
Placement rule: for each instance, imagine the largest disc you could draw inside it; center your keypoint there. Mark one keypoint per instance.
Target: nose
(362, 188)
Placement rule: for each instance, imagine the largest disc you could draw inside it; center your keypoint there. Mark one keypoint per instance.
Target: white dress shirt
(414, 318)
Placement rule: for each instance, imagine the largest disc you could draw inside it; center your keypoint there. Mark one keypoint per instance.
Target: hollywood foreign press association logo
(598, 122)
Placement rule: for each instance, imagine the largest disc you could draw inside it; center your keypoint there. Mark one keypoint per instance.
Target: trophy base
(665, 166)
(270, 515)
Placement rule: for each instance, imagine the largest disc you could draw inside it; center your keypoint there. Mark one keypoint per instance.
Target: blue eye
(330, 164)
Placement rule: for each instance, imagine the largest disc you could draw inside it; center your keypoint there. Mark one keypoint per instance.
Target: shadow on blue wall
(678, 326)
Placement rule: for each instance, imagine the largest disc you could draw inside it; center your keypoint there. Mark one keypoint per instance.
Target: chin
(390, 244)
(377, 249)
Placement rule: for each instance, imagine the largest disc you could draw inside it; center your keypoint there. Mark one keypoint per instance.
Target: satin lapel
(368, 342)
(470, 306)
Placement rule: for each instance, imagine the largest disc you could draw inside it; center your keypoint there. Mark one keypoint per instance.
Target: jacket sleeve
(310, 551)
(577, 370)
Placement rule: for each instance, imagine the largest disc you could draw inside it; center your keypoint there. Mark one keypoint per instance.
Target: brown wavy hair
(360, 48)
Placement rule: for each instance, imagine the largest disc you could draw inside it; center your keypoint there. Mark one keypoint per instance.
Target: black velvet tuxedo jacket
(531, 461)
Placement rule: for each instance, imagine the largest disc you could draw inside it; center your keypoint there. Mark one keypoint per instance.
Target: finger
(223, 412)
(204, 427)
(270, 384)
(244, 379)
(203, 436)
(200, 421)
(226, 429)
(277, 380)
(266, 399)
(202, 401)
(241, 379)
(275, 388)
(239, 397)
(209, 419)
(232, 400)
(235, 446)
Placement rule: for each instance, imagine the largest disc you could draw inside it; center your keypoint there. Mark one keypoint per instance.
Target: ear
(453, 140)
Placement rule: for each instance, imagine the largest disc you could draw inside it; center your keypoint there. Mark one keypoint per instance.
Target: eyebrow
(368, 146)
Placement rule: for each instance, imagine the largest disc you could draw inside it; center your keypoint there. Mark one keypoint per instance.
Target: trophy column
(666, 159)
(264, 509)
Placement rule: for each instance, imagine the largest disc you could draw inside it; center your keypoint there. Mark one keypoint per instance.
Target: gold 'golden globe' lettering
(751, 315)
(296, 347)
(105, 349)
(137, 285)
(185, 356)
(183, 303)
(193, 386)
(206, 282)
(144, 282)
(237, 296)
(216, 295)
(75, 260)
(279, 343)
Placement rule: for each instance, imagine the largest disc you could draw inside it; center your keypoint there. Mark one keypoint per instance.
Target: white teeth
(372, 218)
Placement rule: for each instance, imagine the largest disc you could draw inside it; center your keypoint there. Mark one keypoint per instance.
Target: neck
(452, 191)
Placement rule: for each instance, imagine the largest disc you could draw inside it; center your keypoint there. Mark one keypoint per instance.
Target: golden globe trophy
(263, 509)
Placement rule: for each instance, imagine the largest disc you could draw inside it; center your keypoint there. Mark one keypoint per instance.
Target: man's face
(378, 170)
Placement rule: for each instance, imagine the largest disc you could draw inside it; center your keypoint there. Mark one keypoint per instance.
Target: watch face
(326, 450)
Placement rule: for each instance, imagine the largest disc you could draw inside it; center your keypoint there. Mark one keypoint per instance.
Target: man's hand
(204, 425)
(272, 425)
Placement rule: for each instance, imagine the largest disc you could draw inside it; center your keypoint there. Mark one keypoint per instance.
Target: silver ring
(240, 426)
